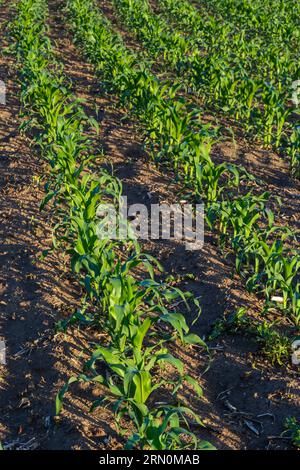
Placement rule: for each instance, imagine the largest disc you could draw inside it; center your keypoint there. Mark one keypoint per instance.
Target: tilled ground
(239, 387)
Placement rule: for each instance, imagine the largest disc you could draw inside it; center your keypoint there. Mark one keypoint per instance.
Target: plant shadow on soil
(36, 293)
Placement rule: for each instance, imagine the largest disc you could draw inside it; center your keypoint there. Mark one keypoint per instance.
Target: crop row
(135, 351)
(274, 20)
(248, 81)
(175, 134)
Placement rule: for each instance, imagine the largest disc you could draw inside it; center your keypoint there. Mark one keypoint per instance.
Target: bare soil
(36, 293)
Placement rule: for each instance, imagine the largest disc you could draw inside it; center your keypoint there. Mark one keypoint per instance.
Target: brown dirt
(35, 294)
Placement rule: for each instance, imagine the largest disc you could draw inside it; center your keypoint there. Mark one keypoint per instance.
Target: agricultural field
(140, 342)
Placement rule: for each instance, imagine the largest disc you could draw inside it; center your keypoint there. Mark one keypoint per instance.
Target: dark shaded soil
(34, 294)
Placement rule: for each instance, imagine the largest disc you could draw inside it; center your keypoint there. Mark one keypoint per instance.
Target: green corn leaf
(61, 393)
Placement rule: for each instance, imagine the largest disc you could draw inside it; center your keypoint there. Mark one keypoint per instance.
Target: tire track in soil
(249, 389)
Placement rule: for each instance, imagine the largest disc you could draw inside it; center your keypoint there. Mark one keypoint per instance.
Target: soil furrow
(232, 367)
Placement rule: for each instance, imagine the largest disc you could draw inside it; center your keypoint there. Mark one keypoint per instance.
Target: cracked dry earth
(239, 387)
